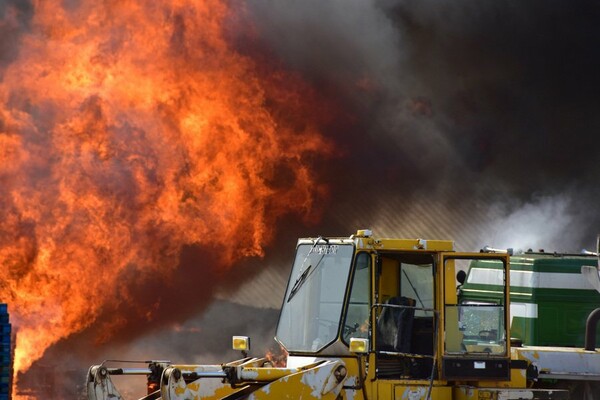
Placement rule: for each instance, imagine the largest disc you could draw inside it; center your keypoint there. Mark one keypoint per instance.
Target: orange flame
(129, 129)
(277, 358)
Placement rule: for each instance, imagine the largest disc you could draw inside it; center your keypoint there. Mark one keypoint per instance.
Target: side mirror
(461, 276)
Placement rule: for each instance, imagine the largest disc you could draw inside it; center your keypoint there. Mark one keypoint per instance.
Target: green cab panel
(550, 298)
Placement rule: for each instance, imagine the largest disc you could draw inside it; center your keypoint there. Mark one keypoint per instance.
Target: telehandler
(378, 318)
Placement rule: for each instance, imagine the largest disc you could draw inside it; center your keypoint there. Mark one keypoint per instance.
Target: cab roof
(364, 240)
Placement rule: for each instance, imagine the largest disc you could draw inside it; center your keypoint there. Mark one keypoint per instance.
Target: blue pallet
(6, 349)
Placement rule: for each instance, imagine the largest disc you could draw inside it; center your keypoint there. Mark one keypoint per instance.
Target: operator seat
(395, 325)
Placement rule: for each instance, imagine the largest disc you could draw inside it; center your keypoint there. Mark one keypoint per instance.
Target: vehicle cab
(389, 308)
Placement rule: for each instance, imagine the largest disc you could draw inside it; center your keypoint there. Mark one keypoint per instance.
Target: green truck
(550, 296)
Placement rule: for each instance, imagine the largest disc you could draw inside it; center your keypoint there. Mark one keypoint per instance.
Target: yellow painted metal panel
(316, 383)
(414, 244)
(414, 392)
(388, 280)
(385, 390)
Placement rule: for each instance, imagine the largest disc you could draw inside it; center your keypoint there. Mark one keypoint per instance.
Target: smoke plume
(492, 103)
(152, 154)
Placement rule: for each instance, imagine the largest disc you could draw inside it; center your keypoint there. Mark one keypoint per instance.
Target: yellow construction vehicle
(376, 318)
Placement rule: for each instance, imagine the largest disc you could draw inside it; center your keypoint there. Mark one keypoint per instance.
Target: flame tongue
(128, 130)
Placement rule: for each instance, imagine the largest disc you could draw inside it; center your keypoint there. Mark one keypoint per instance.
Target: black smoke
(15, 17)
(493, 102)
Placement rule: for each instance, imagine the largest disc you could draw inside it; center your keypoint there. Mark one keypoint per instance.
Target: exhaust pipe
(592, 321)
(590, 330)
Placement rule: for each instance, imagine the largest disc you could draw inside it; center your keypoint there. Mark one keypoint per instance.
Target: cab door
(404, 316)
(475, 342)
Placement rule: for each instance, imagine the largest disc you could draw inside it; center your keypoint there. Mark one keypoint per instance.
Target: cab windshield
(312, 306)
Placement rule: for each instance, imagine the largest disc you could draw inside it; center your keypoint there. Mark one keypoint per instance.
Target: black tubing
(590, 330)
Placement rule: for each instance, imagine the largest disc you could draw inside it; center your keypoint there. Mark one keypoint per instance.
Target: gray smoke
(485, 106)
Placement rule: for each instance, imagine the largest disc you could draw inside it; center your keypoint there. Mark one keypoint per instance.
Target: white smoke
(552, 223)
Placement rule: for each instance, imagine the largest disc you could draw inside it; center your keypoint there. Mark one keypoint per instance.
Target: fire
(129, 129)
(277, 358)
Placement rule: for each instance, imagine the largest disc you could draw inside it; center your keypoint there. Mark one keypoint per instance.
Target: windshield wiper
(299, 282)
(304, 274)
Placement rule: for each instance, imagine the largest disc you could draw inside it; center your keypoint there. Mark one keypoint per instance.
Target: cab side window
(357, 318)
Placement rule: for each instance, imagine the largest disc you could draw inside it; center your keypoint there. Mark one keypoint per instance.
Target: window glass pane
(357, 318)
(417, 283)
(481, 327)
(312, 307)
